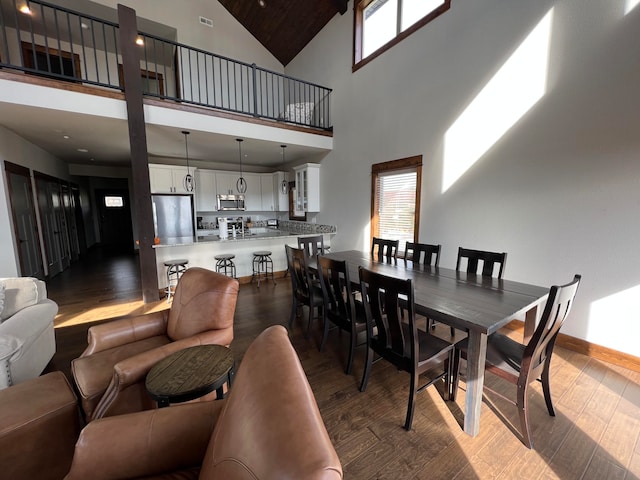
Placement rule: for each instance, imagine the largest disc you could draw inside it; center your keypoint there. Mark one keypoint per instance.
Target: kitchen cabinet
(168, 178)
(266, 187)
(226, 183)
(205, 190)
(253, 195)
(307, 187)
(281, 200)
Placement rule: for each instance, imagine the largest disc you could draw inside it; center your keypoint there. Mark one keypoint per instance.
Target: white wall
(227, 37)
(559, 190)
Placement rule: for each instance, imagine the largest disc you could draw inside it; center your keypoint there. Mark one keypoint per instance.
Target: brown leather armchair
(110, 373)
(268, 427)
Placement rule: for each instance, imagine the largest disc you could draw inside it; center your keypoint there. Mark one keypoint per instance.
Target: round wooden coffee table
(190, 373)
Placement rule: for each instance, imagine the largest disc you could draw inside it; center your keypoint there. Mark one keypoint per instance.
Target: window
(395, 206)
(115, 201)
(152, 82)
(51, 60)
(380, 24)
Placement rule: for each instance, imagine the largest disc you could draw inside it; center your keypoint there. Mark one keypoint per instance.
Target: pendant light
(188, 179)
(284, 186)
(241, 183)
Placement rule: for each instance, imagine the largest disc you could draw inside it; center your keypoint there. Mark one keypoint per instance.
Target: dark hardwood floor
(595, 434)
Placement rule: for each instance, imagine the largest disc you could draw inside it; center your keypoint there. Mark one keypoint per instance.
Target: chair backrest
(313, 245)
(383, 249)
(300, 278)
(204, 300)
(488, 260)
(422, 253)
(384, 300)
(540, 347)
(339, 303)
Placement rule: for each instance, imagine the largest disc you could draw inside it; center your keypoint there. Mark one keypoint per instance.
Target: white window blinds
(396, 200)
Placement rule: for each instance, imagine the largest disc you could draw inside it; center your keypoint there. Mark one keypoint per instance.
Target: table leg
(476, 354)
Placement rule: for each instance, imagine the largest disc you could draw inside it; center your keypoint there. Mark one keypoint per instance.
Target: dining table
(477, 304)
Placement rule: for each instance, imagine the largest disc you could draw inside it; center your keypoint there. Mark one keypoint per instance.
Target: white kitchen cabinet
(266, 186)
(206, 190)
(226, 183)
(253, 195)
(168, 178)
(281, 200)
(307, 187)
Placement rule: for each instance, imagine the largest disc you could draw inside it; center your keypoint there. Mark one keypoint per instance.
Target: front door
(24, 221)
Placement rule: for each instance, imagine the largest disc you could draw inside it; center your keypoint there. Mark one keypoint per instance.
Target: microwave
(230, 202)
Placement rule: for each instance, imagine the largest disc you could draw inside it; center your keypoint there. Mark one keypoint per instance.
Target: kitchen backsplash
(299, 227)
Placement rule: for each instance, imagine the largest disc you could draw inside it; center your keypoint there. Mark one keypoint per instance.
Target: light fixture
(284, 187)
(188, 179)
(262, 3)
(241, 183)
(25, 9)
(139, 41)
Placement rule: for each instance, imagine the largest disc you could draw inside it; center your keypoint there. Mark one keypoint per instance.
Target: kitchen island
(201, 250)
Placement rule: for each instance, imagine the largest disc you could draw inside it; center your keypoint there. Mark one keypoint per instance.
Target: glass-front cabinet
(307, 187)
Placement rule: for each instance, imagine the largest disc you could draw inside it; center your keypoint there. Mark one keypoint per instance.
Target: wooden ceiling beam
(341, 6)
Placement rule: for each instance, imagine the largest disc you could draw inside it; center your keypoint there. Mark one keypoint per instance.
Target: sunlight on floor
(513, 90)
(630, 5)
(67, 316)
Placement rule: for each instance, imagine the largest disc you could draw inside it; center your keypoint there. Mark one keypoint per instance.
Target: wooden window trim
(358, 8)
(400, 164)
(28, 50)
(146, 74)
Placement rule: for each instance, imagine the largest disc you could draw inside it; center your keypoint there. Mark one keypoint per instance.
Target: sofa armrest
(145, 443)
(125, 330)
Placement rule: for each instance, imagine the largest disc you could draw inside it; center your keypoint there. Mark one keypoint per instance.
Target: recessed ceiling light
(66, 137)
(262, 3)
(83, 150)
(84, 26)
(25, 9)
(139, 41)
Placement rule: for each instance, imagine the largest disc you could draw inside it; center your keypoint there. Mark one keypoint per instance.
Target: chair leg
(523, 412)
(456, 375)
(352, 347)
(326, 330)
(413, 388)
(367, 370)
(294, 311)
(546, 388)
(309, 323)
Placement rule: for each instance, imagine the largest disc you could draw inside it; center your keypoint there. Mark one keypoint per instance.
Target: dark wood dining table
(473, 303)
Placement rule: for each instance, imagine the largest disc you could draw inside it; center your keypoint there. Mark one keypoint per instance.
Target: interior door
(24, 221)
(50, 233)
(116, 231)
(61, 225)
(70, 218)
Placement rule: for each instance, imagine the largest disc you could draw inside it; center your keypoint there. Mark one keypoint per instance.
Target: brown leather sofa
(110, 373)
(268, 427)
(39, 425)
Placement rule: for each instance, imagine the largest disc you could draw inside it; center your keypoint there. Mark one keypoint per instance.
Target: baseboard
(590, 349)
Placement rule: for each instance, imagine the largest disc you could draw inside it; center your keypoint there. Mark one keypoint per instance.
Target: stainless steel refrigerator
(172, 216)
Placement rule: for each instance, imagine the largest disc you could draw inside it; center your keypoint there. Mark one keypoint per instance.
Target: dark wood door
(114, 210)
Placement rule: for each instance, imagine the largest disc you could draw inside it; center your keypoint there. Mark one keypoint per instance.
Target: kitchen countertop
(173, 241)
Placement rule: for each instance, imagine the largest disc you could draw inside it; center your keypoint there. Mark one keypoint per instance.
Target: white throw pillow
(1, 300)
(19, 293)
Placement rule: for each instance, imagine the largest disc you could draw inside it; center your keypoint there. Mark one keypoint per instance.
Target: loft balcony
(52, 42)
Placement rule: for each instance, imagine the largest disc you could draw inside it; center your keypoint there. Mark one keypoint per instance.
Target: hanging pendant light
(241, 183)
(284, 186)
(187, 182)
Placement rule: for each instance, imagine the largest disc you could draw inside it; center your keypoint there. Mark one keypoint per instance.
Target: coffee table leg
(163, 403)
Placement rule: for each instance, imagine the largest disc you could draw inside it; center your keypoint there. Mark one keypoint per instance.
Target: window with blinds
(395, 203)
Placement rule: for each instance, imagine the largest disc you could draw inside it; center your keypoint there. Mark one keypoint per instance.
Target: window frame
(399, 165)
(358, 29)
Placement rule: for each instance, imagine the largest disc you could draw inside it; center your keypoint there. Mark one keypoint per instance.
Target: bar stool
(262, 266)
(224, 263)
(175, 269)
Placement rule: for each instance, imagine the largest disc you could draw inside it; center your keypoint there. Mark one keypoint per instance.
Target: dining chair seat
(304, 290)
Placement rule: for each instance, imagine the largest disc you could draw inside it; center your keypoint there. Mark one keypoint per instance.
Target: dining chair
(313, 245)
(304, 291)
(340, 306)
(522, 364)
(383, 249)
(477, 258)
(398, 341)
(423, 254)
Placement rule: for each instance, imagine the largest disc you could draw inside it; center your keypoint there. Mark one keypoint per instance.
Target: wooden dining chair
(384, 249)
(313, 245)
(304, 291)
(340, 306)
(522, 364)
(422, 254)
(477, 258)
(398, 341)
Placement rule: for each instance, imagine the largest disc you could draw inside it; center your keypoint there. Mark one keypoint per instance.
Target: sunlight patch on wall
(614, 314)
(513, 90)
(630, 5)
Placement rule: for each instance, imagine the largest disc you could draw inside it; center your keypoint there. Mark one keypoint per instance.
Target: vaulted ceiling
(284, 27)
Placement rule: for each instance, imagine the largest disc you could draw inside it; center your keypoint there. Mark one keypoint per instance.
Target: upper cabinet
(266, 186)
(307, 187)
(226, 183)
(168, 179)
(253, 195)
(206, 191)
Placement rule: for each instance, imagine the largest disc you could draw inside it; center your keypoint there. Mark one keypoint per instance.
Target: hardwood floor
(595, 434)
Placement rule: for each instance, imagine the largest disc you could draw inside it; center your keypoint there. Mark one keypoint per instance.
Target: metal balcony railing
(60, 43)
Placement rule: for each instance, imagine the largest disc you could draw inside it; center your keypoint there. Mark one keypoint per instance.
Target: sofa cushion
(19, 293)
(1, 299)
